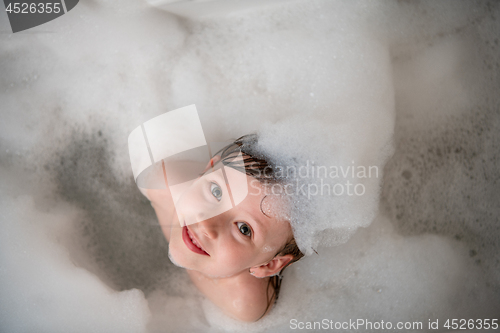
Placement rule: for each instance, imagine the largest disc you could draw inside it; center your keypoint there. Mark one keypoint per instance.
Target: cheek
(189, 206)
(187, 197)
(174, 245)
(237, 256)
(185, 191)
(173, 260)
(269, 249)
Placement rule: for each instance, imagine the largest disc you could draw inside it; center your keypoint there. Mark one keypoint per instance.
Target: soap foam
(314, 80)
(41, 288)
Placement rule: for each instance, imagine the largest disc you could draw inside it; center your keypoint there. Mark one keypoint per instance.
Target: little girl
(237, 256)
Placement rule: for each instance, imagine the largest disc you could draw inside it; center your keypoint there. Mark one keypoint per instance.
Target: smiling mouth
(191, 242)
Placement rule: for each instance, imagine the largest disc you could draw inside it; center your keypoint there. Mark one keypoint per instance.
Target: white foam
(41, 288)
(314, 79)
(327, 123)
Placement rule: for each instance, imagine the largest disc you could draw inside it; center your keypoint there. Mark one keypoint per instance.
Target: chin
(173, 260)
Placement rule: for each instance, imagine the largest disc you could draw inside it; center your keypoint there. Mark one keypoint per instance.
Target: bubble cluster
(324, 84)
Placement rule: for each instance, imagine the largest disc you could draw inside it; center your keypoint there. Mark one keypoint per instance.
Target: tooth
(194, 241)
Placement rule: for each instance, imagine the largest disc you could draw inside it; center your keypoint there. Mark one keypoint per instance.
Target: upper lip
(193, 235)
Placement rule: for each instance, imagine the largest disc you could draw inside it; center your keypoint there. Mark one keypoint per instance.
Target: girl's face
(230, 242)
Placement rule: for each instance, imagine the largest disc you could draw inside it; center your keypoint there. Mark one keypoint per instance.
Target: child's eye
(216, 191)
(244, 228)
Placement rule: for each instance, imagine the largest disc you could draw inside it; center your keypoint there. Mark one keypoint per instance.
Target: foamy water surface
(336, 83)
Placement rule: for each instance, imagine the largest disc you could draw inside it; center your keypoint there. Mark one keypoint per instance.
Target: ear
(271, 268)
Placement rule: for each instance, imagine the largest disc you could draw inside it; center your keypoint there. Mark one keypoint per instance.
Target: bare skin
(221, 251)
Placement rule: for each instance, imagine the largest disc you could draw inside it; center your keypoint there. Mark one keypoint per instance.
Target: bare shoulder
(242, 297)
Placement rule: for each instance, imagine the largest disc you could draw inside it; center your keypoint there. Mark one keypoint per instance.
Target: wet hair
(255, 164)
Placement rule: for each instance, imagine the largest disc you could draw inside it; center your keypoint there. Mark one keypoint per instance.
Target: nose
(212, 227)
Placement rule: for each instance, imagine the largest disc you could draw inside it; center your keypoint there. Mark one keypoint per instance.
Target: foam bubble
(42, 290)
(314, 79)
(268, 248)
